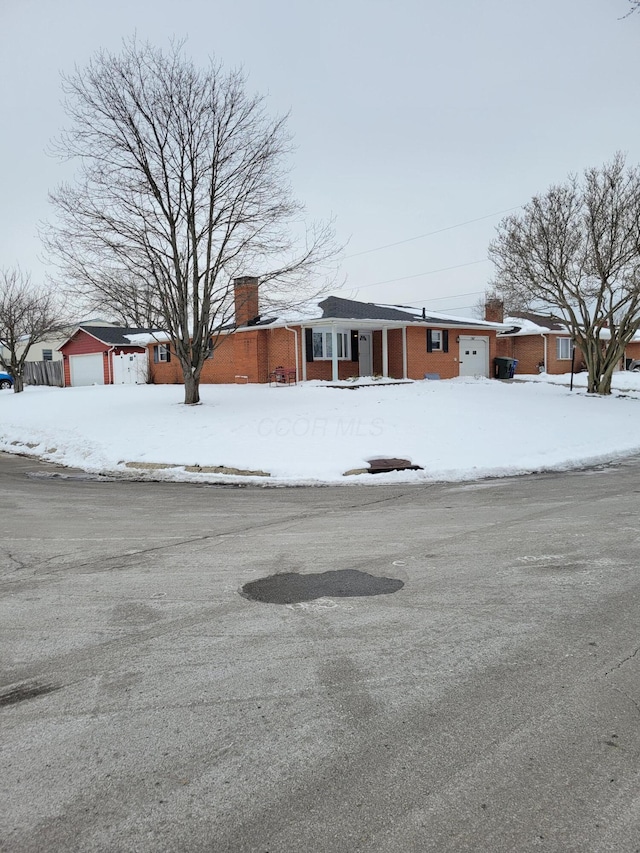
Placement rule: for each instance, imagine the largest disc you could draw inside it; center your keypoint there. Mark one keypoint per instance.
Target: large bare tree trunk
(191, 389)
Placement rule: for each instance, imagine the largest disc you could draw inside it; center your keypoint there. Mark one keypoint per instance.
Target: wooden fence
(43, 373)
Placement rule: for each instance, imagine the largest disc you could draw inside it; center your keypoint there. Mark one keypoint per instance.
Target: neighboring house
(48, 350)
(539, 343)
(340, 339)
(103, 355)
(543, 343)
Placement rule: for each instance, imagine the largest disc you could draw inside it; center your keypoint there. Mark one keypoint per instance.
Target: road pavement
(489, 702)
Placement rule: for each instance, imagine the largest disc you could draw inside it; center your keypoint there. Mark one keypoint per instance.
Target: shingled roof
(349, 309)
(554, 324)
(115, 335)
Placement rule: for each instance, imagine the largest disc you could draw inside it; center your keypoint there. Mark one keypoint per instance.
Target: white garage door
(474, 356)
(86, 369)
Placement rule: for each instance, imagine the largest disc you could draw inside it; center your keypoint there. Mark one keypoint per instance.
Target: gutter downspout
(295, 334)
(404, 352)
(544, 357)
(303, 341)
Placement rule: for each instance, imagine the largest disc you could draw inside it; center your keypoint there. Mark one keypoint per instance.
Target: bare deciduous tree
(183, 186)
(576, 251)
(28, 315)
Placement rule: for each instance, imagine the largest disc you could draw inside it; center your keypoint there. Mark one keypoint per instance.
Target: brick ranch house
(541, 344)
(341, 339)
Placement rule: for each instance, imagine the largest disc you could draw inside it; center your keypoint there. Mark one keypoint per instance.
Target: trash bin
(505, 367)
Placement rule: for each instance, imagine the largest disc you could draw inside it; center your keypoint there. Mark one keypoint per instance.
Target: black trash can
(504, 367)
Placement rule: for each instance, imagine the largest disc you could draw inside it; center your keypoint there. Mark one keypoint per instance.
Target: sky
(417, 123)
(308, 433)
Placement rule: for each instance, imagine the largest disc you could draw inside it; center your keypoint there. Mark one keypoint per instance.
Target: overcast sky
(409, 116)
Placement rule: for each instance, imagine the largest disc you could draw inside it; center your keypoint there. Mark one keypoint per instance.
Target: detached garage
(104, 355)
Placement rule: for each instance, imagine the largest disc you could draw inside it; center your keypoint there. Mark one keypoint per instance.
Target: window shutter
(168, 351)
(355, 352)
(445, 340)
(429, 341)
(155, 354)
(308, 343)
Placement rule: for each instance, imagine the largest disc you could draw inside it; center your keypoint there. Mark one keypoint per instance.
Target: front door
(365, 360)
(474, 356)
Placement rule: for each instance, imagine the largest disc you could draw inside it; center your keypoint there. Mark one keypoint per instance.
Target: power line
(417, 275)
(450, 296)
(431, 233)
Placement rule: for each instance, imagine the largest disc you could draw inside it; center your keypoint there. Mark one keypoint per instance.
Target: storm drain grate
(382, 466)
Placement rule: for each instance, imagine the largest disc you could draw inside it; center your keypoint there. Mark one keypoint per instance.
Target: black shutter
(308, 343)
(155, 354)
(429, 341)
(445, 340)
(355, 352)
(168, 351)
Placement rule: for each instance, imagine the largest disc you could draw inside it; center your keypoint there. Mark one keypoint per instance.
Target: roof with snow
(114, 335)
(111, 335)
(527, 323)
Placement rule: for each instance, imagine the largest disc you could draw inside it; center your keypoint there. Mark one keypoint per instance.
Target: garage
(98, 355)
(87, 369)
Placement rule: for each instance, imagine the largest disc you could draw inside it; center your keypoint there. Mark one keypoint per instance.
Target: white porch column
(404, 352)
(303, 342)
(334, 354)
(385, 353)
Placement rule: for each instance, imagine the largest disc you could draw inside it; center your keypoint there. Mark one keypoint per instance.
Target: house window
(210, 349)
(47, 355)
(563, 348)
(322, 340)
(437, 340)
(161, 353)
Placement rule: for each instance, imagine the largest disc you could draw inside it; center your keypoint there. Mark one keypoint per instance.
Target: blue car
(6, 381)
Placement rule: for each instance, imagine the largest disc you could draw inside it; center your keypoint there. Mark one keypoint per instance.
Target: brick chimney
(245, 295)
(494, 310)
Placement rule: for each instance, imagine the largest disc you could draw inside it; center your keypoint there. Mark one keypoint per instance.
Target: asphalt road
(492, 703)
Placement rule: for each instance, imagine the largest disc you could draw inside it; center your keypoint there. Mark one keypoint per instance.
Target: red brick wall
(245, 294)
(633, 350)
(257, 353)
(529, 351)
(243, 354)
(444, 363)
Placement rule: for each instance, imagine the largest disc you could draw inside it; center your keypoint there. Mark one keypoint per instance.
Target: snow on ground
(459, 429)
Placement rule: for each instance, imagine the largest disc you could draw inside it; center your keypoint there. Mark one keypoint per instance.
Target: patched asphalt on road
(293, 588)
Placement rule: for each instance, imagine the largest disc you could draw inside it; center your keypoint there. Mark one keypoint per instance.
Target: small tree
(576, 251)
(183, 187)
(28, 315)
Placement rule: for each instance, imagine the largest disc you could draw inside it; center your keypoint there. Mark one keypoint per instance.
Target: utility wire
(447, 298)
(431, 233)
(417, 275)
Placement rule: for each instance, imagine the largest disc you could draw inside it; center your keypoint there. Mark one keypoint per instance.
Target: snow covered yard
(455, 430)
